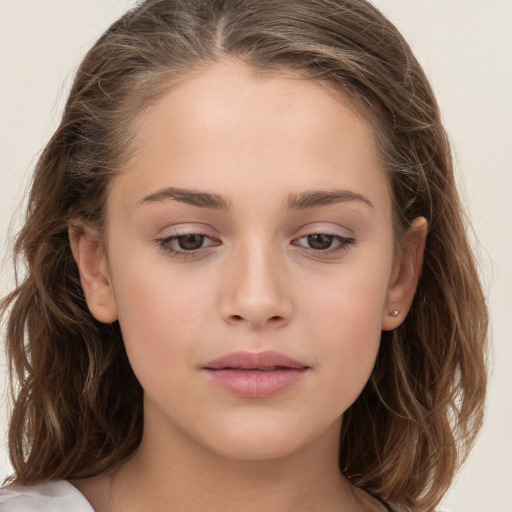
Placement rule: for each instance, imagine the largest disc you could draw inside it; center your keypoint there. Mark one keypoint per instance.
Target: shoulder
(52, 496)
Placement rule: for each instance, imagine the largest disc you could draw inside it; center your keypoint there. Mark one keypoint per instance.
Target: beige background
(466, 49)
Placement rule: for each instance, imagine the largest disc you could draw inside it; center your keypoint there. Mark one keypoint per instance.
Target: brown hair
(77, 404)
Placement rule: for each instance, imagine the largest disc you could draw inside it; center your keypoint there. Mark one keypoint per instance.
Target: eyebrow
(317, 198)
(191, 197)
(302, 201)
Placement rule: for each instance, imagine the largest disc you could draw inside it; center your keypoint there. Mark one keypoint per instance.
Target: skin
(256, 283)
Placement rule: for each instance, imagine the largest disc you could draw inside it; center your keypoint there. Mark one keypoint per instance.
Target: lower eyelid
(338, 251)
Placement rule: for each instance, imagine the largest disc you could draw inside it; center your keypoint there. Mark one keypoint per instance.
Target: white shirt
(52, 496)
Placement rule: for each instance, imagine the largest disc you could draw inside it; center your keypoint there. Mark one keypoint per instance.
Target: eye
(186, 243)
(190, 242)
(320, 241)
(324, 243)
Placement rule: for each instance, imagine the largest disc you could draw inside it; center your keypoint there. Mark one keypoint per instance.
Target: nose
(256, 291)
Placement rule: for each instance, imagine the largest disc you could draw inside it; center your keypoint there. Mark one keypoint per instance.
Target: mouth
(255, 361)
(270, 369)
(255, 374)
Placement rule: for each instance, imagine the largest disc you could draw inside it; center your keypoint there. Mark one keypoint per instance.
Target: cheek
(352, 297)
(160, 316)
(345, 318)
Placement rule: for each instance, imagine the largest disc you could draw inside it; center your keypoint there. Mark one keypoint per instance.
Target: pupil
(190, 242)
(320, 241)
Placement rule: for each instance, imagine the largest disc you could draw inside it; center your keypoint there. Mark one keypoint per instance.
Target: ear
(405, 276)
(92, 265)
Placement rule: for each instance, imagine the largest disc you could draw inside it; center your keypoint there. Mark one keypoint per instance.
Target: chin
(261, 447)
(266, 440)
(257, 450)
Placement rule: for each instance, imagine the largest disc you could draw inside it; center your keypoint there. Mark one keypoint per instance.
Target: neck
(174, 470)
(170, 469)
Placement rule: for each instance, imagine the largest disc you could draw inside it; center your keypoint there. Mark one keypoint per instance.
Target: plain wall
(466, 49)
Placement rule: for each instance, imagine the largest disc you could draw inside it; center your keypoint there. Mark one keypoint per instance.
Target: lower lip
(254, 383)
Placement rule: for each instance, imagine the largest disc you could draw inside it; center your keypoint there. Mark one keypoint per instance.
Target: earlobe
(406, 274)
(92, 265)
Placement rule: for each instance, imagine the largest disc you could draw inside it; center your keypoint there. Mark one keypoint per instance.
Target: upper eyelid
(200, 230)
(322, 230)
(186, 229)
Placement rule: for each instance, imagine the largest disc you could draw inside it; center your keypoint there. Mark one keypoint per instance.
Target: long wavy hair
(77, 406)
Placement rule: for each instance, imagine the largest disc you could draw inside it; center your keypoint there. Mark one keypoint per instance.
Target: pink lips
(255, 374)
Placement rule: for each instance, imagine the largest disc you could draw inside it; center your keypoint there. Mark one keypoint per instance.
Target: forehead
(230, 125)
(230, 93)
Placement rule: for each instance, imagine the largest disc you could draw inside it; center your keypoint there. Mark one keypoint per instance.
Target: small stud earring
(394, 312)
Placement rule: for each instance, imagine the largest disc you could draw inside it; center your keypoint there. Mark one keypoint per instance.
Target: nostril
(273, 319)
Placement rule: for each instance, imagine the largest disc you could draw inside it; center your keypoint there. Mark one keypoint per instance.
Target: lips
(255, 374)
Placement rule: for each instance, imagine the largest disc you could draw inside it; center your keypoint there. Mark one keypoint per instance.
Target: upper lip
(246, 360)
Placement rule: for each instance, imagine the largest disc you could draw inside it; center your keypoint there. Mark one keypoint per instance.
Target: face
(249, 258)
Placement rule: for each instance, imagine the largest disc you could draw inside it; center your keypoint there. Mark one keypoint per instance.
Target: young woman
(248, 281)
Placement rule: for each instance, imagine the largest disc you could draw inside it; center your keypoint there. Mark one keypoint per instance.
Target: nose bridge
(256, 285)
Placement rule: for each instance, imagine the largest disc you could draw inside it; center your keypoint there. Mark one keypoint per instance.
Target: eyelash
(165, 244)
(345, 242)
